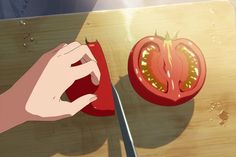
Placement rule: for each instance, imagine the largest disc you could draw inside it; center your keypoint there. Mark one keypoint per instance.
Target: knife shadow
(151, 125)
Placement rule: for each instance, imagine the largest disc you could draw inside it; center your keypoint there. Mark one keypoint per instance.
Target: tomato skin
(104, 105)
(167, 97)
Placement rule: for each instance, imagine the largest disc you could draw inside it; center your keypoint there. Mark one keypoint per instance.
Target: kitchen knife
(124, 127)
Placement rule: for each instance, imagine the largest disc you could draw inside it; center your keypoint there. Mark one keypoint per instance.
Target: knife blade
(124, 127)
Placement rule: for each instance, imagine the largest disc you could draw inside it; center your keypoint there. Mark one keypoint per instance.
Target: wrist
(10, 115)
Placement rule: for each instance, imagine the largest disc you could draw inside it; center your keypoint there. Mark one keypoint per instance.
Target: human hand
(37, 94)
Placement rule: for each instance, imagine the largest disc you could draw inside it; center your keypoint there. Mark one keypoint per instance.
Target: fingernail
(93, 98)
(95, 81)
(65, 45)
(95, 61)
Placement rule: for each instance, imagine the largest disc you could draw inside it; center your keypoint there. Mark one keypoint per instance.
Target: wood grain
(186, 130)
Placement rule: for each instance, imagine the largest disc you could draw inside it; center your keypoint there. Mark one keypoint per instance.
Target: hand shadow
(78, 135)
(151, 125)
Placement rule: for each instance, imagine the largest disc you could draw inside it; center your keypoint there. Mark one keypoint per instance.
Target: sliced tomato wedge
(104, 105)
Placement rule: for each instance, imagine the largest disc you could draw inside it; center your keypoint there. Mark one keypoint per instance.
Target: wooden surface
(187, 130)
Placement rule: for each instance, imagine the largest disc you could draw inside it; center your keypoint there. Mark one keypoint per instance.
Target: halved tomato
(104, 105)
(166, 71)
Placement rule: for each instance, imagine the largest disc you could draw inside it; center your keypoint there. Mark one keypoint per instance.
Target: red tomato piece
(104, 105)
(166, 71)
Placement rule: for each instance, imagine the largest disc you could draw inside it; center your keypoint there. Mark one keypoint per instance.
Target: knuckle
(31, 109)
(93, 64)
(63, 44)
(82, 48)
(28, 108)
(76, 43)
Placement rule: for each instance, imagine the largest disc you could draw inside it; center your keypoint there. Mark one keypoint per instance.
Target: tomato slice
(104, 105)
(166, 71)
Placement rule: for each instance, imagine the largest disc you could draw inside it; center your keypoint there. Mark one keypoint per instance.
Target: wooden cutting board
(192, 129)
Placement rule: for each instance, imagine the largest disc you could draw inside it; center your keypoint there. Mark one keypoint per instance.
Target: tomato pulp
(166, 71)
(104, 105)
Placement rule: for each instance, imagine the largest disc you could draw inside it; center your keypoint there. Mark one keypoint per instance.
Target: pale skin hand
(37, 94)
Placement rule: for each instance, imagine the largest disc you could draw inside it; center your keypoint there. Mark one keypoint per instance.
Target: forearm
(9, 116)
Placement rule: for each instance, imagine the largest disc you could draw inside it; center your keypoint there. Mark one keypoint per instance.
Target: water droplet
(24, 44)
(31, 39)
(22, 22)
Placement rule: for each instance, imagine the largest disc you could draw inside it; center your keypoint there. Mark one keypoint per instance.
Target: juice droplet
(223, 115)
(218, 112)
(221, 122)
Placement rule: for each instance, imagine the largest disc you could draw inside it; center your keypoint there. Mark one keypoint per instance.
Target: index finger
(78, 53)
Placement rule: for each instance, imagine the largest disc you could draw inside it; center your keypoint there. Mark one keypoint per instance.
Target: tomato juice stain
(217, 108)
(224, 116)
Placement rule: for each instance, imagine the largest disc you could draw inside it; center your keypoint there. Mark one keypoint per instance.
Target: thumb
(77, 105)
